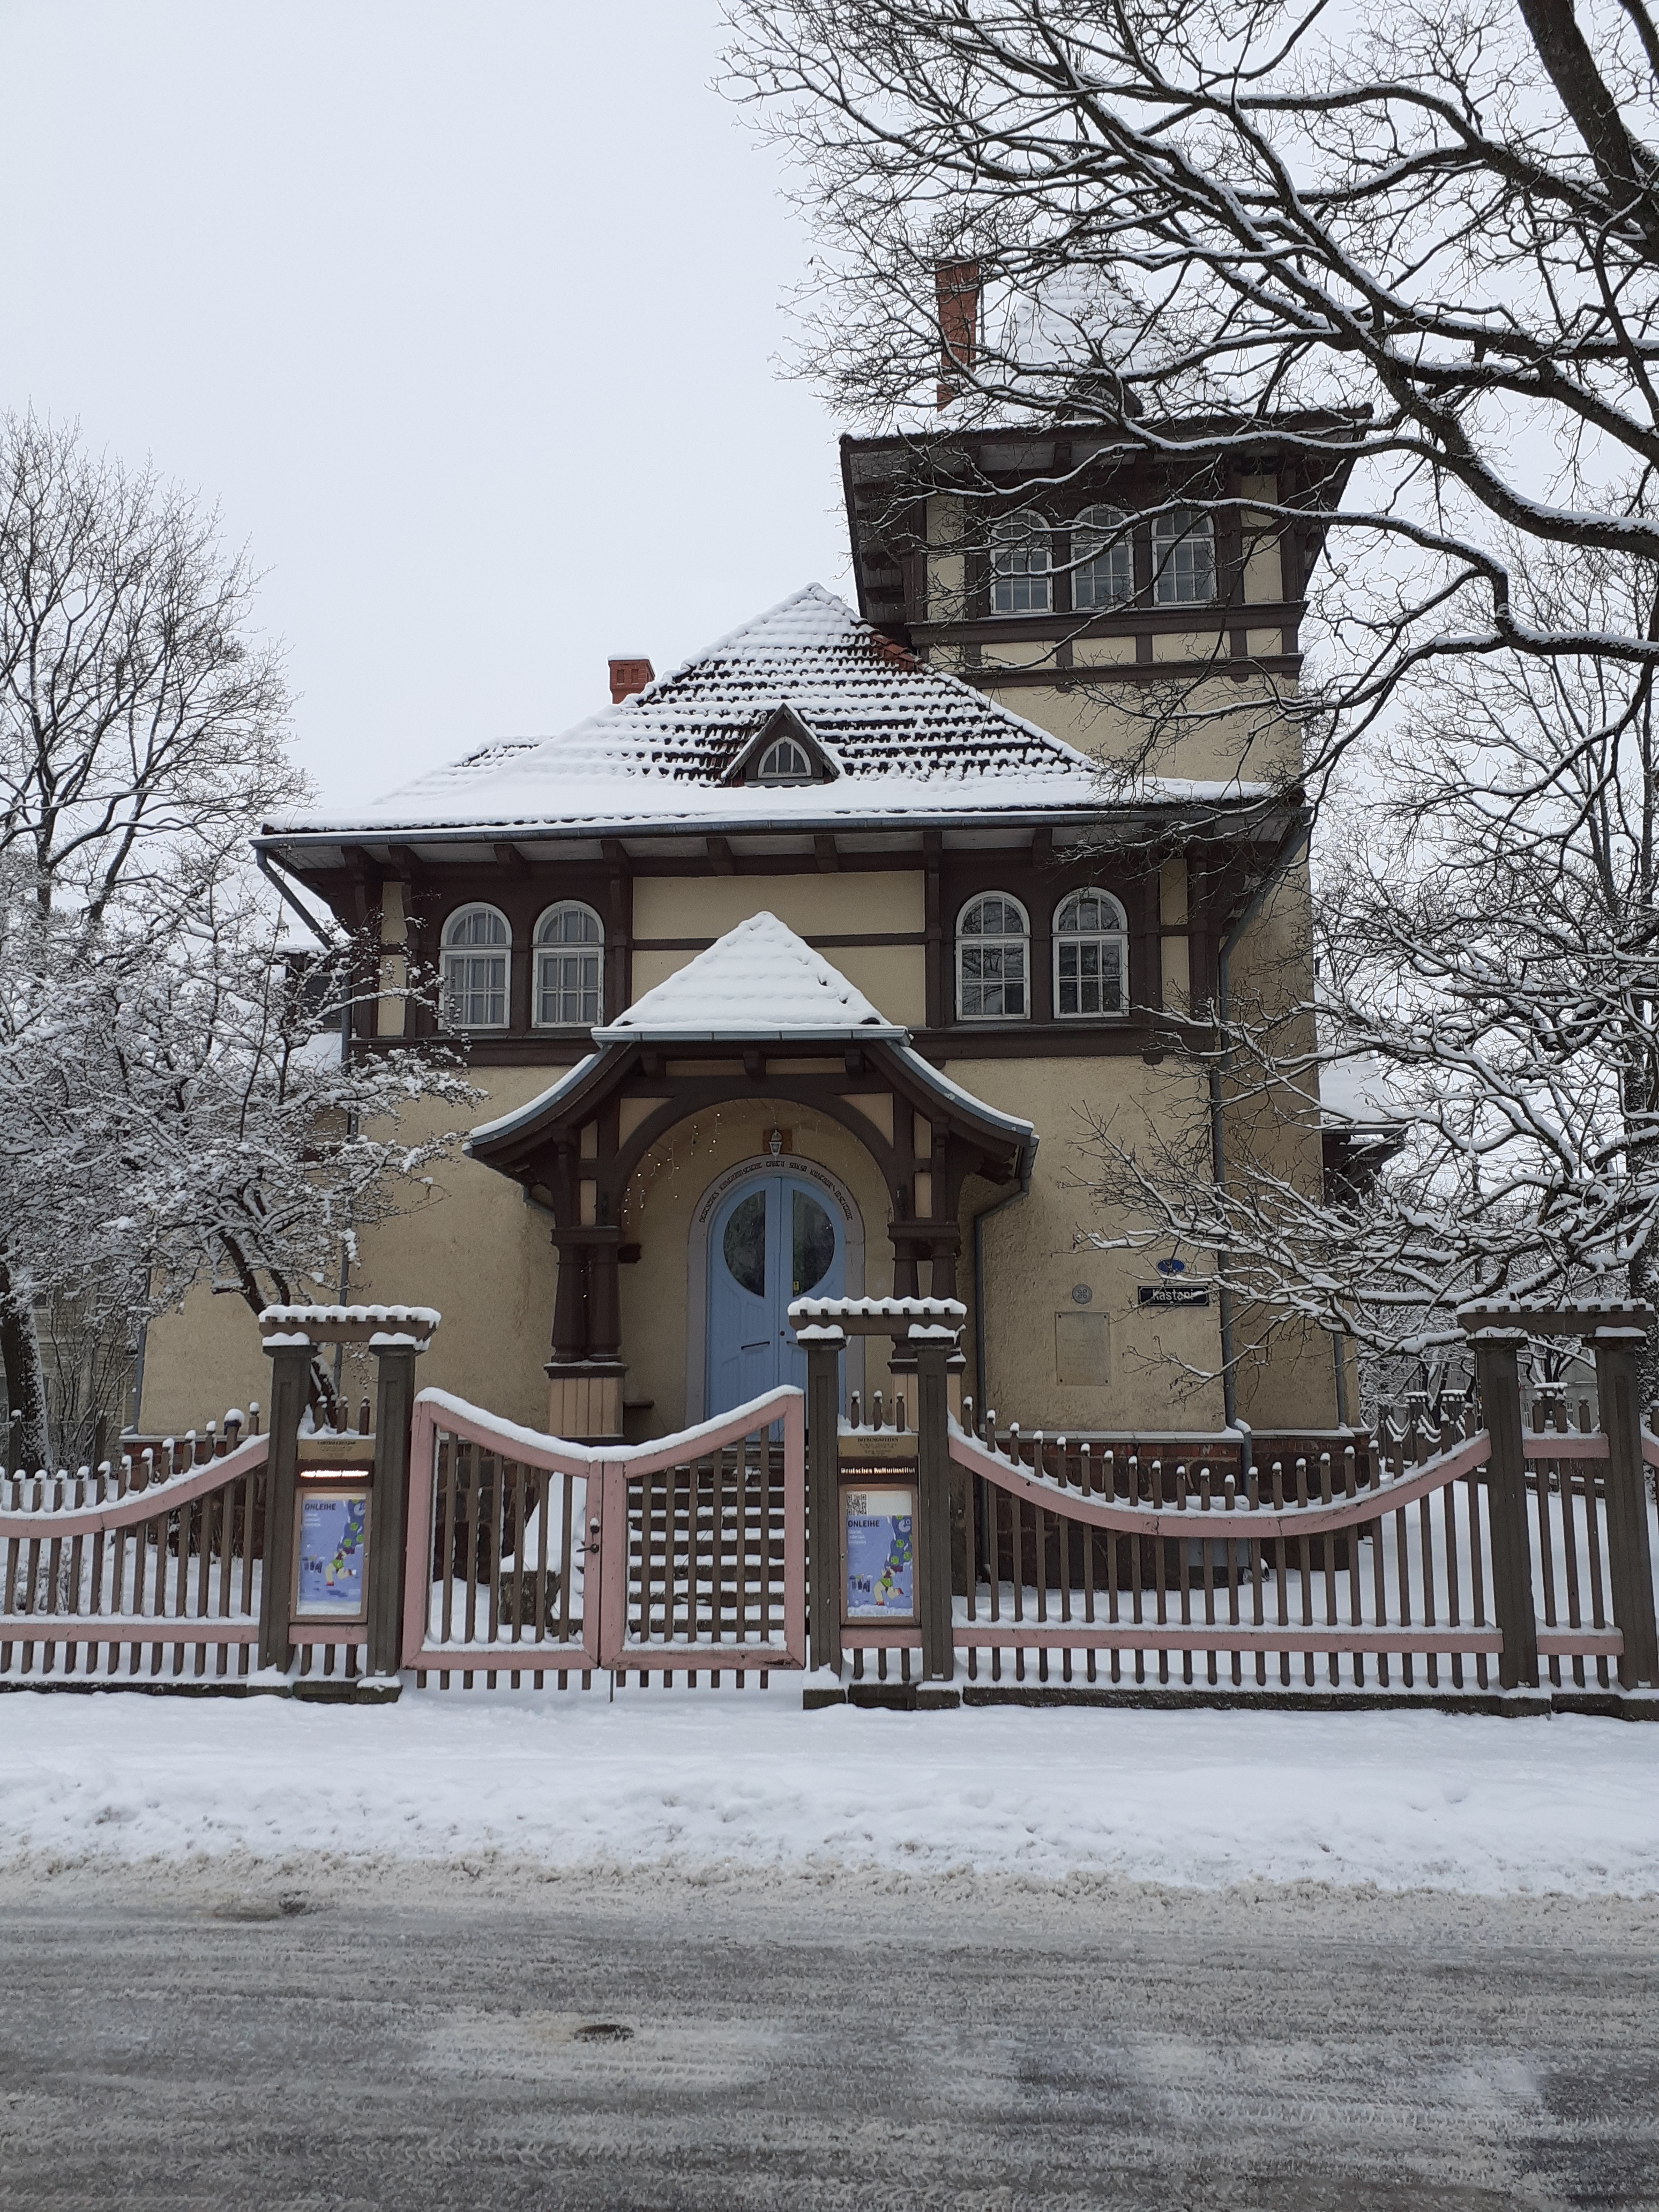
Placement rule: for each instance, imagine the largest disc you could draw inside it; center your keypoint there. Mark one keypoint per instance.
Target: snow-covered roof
(760, 981)
(758, 984)
(905, 738)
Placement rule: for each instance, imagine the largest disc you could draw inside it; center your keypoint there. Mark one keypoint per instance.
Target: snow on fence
(151, 1569)
(1075, 1565)
(534, 1560)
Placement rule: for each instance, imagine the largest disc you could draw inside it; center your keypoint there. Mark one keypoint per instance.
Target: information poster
(333, 1554)
(881, 1559)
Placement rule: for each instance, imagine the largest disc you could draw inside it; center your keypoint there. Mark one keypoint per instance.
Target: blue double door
(773, 1239)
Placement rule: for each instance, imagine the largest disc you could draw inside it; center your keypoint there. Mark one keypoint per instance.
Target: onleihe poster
(881, 1560)
(333, 1534)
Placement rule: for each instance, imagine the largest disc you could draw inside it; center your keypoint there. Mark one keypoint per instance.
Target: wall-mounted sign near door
(1174, 1293)
(878, 1551)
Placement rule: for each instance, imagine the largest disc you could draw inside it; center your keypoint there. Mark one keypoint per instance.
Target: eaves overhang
(1262, 810)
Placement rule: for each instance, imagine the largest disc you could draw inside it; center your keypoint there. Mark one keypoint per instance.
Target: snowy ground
(728, 1781)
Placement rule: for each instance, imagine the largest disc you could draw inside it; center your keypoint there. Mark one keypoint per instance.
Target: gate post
(1496, 1352)
(289, 1353)
(824, 1344)
(932, 1348)
(1630, 1570)
(395, 1355)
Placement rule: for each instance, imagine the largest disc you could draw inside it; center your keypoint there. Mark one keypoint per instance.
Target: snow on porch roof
(758, 984)
(760, 981)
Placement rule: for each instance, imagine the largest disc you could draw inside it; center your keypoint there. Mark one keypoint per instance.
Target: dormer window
(783, 750)
(784, 762)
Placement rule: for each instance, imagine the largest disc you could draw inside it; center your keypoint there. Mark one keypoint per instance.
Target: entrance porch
(752, 1119)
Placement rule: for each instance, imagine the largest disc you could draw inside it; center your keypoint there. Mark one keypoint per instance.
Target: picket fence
(532, 1561)
(1072, 1564)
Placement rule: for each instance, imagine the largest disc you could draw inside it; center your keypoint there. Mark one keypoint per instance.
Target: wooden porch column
(932, 1348)
(1496, 1353)
(290, 1357)
(1630, 1567)
(394, 1405)
(823, 1346)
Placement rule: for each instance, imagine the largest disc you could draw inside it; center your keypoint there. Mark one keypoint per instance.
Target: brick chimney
(630, 674)
(956, 287)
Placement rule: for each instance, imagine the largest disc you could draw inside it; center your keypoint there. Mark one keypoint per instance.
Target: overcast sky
(466, 314)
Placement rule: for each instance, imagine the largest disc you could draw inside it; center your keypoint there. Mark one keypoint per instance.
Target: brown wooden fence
(1073, 1565)
(151, 1569)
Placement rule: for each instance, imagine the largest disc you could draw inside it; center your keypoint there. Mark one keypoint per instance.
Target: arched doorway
(773, 1236)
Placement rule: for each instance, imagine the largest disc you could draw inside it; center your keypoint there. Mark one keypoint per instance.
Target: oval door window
(745, 1243)
(814, 1242)
(773, 1240)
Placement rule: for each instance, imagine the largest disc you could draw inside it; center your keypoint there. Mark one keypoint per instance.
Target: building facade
(815, 964)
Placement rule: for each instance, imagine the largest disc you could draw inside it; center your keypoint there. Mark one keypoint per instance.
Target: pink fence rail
(1098, 1567)
(540, 1562)
(115, 1573)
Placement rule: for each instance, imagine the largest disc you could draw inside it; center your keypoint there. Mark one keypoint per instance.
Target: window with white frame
(993, 941)
(569, 967)
(784, 761)
(477, 959)
(1183, 558)
(1020, 582)
(1103, 560)
(1092, 956)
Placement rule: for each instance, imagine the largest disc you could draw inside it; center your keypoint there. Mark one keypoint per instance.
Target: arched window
(1103, 559)
(1020, 583)
(1092, 956)
(784, 762)
(992, 949)
(477, 958)
(1183, 558)
(569, 967)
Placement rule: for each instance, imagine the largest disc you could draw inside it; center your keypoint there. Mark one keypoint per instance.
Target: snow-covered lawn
(732, 1779)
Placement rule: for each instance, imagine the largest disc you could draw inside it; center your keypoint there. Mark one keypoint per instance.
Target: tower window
(1020, 582)
(1103, 560)
(1183, 558)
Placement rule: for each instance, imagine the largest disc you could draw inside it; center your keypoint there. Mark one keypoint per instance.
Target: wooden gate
(532, 1561)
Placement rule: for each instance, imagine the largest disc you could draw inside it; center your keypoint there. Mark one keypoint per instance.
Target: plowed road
(302, 2037)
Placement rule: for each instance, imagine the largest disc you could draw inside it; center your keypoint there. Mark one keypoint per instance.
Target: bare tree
(1423, 245)
(1489, 1000)
(174, 1109)
(141, 724)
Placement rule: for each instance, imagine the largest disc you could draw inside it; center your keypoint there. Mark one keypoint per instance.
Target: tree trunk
(28, 1444)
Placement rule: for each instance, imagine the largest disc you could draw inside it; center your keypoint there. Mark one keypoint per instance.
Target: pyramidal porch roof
(758, 985)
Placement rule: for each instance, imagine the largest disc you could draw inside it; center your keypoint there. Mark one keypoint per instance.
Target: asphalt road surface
(318, 2040)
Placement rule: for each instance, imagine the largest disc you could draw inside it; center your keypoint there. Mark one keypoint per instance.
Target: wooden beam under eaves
(363, 862)
(719, 856)
(829, 857)
(407, 863)
(512, 859)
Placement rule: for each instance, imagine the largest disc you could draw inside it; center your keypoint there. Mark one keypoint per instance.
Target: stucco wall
(893, 977)
(470, 1247)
